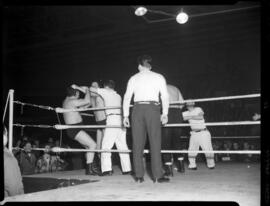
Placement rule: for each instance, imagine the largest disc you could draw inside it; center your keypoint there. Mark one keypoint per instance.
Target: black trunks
(72, 132)
(102, 122)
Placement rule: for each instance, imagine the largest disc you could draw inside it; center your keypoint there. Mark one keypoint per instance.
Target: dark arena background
(216, 53)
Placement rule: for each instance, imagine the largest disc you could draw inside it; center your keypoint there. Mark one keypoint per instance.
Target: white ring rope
(59, 126)
(6, 107)
(62, 110)
(33, 125)
(34, 105)
(58, 150)
(217, 98)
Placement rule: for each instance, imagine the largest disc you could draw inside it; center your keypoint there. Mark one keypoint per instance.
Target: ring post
(10, 128)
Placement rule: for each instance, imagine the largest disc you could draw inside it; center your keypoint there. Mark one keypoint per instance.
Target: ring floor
(237, 182)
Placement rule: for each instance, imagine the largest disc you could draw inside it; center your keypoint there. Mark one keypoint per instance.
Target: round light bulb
(182, 18)
(140, 11)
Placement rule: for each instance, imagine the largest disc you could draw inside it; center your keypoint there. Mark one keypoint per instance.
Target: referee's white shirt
(111, 99)
(146, 86)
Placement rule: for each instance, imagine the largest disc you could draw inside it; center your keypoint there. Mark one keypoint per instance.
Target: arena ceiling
(36, 37)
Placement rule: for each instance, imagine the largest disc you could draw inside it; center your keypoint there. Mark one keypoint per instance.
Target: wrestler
(171, 136)
(97, 102)
(72, 101)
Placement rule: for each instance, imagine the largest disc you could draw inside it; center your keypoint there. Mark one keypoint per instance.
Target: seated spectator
(50, 142)
(236, 157)
(25, 138)
(16, 150)
(36, 145)
(57, 143)
(49, 162)
(226, 157)
(27, 159)
(12, 175)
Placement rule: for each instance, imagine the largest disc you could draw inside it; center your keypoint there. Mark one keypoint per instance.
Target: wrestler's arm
(85, 102)
(94, 91)
(198, 115)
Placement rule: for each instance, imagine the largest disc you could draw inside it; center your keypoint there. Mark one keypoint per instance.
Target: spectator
(226, 157)
(36, 145)
(25, 138)
(49, 162)
(17, 147)
(57, 143)
(235, 157)
(12, 175)
(50, 142)
(27, 159)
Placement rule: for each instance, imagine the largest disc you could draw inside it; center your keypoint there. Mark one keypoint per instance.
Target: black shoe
(181, 166)
(107, 173)
(168, 170)
(92, 170)
(127, 173)
(193, 168)
(211, 168)
(161, 180)
(139, 179)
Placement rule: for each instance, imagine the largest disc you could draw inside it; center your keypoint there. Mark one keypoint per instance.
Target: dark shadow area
(33, 184)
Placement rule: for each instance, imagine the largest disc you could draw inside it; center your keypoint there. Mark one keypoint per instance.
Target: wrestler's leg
(85, 139)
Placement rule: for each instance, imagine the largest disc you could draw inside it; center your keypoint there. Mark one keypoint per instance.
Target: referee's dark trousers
(145, 120)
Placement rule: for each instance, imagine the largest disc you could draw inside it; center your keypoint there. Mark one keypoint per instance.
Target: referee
(146, 86)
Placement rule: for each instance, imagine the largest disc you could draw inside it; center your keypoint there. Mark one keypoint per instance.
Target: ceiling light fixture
(182, 18)
(140, 11)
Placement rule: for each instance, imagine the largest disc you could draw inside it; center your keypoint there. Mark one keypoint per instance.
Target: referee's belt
(147, 102)
(200, 130)
(113, 114)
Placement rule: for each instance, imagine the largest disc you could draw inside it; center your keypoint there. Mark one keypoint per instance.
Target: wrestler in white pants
(200, 139)
(117, 136)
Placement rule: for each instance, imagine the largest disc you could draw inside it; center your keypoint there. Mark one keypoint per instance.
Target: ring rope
(58, 150)
(59, 126)
(35, 105)
(5, 107)
(167, 125)
(62, 110)
(218, 98)
(31, 125)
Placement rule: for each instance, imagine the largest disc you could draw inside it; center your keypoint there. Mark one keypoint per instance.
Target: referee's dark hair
(109, 83)
(144, 59)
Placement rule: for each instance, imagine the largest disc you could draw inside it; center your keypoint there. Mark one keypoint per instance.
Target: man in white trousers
(199, 136)
(113, 135)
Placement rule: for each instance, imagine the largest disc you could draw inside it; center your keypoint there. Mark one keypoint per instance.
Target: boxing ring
(233, 182)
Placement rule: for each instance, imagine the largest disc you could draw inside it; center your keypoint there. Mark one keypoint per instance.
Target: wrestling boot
(92, 169)
(180, 166)
(168, 170)
(97, 160)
